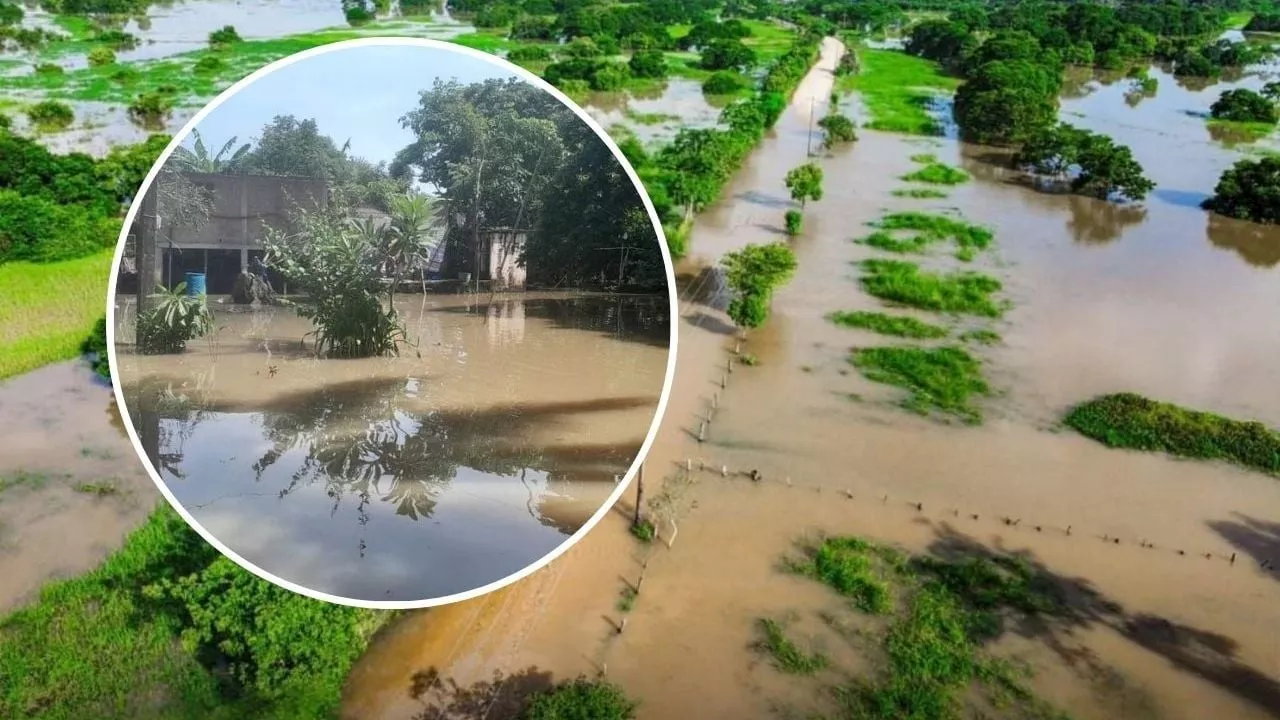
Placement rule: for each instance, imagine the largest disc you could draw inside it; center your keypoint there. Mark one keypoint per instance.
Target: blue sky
(358, 93)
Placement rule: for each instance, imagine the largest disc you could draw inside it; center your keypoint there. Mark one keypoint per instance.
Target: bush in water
(793, 219)
(172, 321)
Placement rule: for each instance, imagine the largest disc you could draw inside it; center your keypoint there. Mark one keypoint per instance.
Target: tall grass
(1127, 420)
(946, 380)
(897, 89)
(47, 310)
(906, 284)
(885, 324)
(786, 655)
(938, 174)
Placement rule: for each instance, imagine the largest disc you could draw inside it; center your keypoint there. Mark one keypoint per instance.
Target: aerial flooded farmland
(974, 415)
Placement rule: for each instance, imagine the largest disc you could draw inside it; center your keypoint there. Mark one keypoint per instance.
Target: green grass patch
(854, 568)
(653, 118)
(924, 158)
(785, 654)
(981, 337)
(167, 628)
(1130, 421)
(644, 531)
(944, 380)
(897, 89)
(22, 478)
(920, 193)
(98, 488)
(1231, 132)
(885, 324)
(1237, 20)
(930, 228)
(47, 310)
(904, 283)
(627, 600)
(938, 174)
(769, 39)
(933, 644)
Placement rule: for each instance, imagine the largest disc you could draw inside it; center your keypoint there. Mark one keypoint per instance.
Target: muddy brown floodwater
(65, 462)
(437, 472)
(1165, 301)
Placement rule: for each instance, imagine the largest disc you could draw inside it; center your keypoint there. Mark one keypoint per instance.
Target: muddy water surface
(656, 115)
(1163, 301)
(412, 477)
(71, 486)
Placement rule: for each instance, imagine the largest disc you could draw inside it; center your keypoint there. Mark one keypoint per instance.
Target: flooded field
(446, 469)
(66, 458)
(655, 117)
(1160, 558)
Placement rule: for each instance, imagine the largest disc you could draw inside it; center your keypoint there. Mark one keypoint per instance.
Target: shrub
(209, 64)
(117, 39)
(37, 229)
(51, 69)
(529, 53)
(648, 64)
(609, 77)
(150, 108)
(727, 55)
(173, 320)
(226, 35)
(753, 273)
(95, 346)
(581, 699)
(355, 14)
(51, 115)
(725, 82)
(1243, 105)
(793, 220)
(100, 56)
(838, 129)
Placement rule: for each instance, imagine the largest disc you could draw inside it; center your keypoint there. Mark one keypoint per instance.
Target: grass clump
(920, 193)
(786, 655)
(22, 478)
(166, 627)
(933, 644)
(887, 241)
(906, 284)
(944, 380)
(854, 568)
(964, 234)
(748, 359)
(51, 115)
(981, 337)
(644, 531)
(885, 324)
(627, 600)
(1130, 421)
(898, 90)
(938, 174)
(97, 488)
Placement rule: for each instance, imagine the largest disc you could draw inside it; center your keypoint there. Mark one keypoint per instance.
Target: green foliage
(225, 35)
(724, 82)
(581, 699)
(47, 309)
(151, 108)
(920, 193)
(209, 64)
(786, 655)
(531, 53)
(753, 273)
(838, 128)
(40, 230)
(898, 90)
(885, 324)
(982, 336)
(1096, 165)
(49, 69)
(1249, 190)
(644, 531)
(95, 346)
(1004, 102)
(904, 283)
(106, 644)
(944, 379)
(792, 221)
(648, 64)
(100, 56)
(805, 183)
(969, 239)
(1244, 105)
(172, 320)
(938, 174)
(852, 568)
(51, 115)
(725, 54)
(1130, 421)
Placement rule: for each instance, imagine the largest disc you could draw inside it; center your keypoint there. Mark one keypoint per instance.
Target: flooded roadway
(433, 473)
(1169, 303)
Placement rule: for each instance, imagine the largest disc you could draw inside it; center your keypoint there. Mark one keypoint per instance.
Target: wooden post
(635, 521)
(147, 261)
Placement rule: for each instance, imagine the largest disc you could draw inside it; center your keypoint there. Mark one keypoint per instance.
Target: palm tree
(198, 158)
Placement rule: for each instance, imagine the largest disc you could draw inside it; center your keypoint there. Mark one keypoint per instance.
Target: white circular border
(528, 77)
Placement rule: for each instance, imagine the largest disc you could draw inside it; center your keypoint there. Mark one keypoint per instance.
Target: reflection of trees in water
(1232, 134)
(1097, 222)
(625, 317)
(1258, 244)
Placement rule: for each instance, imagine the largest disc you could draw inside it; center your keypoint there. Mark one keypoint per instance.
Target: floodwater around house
(1168, 618)
(437, 472)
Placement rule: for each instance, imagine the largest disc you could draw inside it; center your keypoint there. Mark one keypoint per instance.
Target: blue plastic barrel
(195, 284)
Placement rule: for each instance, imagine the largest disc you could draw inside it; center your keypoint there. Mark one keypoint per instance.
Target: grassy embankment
(47, 310)
(897, 90)
(167, 628)
(927, 622)
(1132, 422)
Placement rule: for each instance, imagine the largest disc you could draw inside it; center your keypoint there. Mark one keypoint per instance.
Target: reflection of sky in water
(482, 526)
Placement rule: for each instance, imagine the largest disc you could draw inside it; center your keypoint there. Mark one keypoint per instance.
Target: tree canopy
(1249, 190)
(1244, 105)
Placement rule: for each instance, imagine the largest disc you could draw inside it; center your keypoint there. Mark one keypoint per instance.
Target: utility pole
(635, 520)
(808, 141)
(145, 250)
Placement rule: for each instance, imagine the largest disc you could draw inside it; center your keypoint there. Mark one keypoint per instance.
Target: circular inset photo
(392, 323)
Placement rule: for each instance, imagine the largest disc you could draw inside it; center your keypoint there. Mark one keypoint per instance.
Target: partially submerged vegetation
(937, 173)
(886, 324)
(945, 380)
(1248, 191)
(941, 613)
(898, 90)
(1130, 421)
(47, 309)
(929, 228)
(753, 273)
(785, 653)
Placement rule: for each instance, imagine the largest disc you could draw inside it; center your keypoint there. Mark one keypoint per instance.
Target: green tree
(1007, 101)
(648, 64)
(197, 158)
(1271, 91)
(838, 128)
(753, 273)
(1107, 169)
(805, 183)
(1244, 105)
(289, 146)
(727, 55)
(580, 699)
(1249, 190)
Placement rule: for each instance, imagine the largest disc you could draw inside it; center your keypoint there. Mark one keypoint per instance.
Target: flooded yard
(448, 468)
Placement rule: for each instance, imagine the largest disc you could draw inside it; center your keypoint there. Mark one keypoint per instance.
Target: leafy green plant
(51, 115)
(225, 35)
(793, 220)
(151, 108)
(753, 273)
(838, 128)
(938, 174)
(95, 346)
(172, 320)
(644, 531)
(209, 64)
(805, 183)
(944, 379)
(101, 55)
(885, 324)
(1248, 191)
(787, 656)
(724, 82)
(956, 292)
(581, 699)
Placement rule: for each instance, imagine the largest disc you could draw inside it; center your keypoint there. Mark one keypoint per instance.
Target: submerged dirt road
(1152, 632)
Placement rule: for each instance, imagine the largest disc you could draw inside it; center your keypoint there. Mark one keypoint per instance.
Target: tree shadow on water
(1258, 539)
(1075, 606)
(505, 696)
